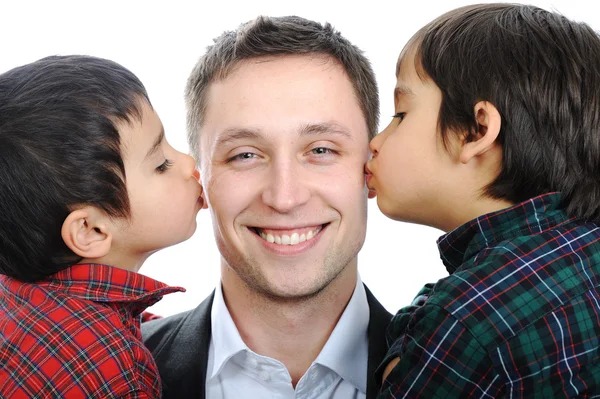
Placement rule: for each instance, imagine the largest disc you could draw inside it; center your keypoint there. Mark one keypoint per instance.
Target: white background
(160, 42)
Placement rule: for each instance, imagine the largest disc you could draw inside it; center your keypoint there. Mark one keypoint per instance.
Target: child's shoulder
(504, 287)
(35, 309)
(59, 335)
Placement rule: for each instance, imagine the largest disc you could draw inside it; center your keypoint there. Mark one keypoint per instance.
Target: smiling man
(280, 113)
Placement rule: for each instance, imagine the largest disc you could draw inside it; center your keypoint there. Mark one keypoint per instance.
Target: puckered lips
(289, 240)
(368, 176)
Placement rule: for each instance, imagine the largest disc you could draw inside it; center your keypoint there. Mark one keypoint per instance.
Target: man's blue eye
(241, 156)
(322, 151)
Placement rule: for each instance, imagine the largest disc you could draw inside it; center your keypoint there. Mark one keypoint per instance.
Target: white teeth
(294, 239)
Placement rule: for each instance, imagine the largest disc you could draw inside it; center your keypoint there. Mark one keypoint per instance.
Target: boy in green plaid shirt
(496, 140)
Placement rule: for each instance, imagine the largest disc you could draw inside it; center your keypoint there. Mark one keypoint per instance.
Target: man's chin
(280, 289)
(285, 295)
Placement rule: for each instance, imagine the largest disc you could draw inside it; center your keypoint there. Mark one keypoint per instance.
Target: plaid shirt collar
(102, 283)
(528, 217)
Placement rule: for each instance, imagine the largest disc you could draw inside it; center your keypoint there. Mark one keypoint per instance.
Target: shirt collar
(225, 335)
(102, 283)
(529, 217)
(345, 352)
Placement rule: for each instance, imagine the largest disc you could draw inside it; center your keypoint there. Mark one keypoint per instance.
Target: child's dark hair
(542, 72)
(60, 149)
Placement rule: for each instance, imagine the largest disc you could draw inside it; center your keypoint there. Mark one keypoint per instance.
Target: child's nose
(376, 142)
(196, 174)
(373, 147)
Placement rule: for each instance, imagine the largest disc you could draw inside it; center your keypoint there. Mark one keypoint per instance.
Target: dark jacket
(180, 345)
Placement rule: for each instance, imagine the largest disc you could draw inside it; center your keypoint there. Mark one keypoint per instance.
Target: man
(280, 114)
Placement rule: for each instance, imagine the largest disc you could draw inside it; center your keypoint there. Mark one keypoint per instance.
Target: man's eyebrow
(402, 90)
(234, 134)
(157, 143)
(315, 129)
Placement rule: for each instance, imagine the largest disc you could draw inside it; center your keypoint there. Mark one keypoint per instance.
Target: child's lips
(200, 201)
(368, 176)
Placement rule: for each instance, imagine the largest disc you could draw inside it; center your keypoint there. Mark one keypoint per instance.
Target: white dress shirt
(339, 372)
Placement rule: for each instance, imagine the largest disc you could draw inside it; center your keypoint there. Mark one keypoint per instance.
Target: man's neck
(293, 332)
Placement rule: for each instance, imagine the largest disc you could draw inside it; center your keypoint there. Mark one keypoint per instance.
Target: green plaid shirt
(518, 317)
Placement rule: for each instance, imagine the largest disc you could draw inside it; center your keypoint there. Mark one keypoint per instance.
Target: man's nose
(287, 187)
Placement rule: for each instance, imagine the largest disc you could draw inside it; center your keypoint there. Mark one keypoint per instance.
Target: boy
(496, 140)
(89, 188)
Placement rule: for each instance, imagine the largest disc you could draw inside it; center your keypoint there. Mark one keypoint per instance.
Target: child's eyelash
(164, 166)
(399, 115)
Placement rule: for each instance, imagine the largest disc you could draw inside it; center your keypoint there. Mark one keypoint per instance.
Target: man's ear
(203, 194)
(86, 232)
(488, 128)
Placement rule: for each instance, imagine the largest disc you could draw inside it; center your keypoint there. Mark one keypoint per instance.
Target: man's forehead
(251, 74)
(253, 102)
(297, 61)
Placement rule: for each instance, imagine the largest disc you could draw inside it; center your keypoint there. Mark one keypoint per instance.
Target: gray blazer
(180, 343)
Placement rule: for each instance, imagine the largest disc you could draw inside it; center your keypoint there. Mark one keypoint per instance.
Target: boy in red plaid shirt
(89, 188)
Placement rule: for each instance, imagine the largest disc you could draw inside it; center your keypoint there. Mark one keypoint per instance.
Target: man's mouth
(288, 236)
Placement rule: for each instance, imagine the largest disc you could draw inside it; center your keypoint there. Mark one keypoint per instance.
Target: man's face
(283, 148)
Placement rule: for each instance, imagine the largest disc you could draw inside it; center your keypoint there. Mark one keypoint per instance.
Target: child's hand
(389, 368)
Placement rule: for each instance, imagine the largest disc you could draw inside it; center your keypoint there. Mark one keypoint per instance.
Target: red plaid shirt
(77, 335)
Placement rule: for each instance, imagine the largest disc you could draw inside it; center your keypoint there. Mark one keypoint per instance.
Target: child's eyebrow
(157, 143)
(402, 90)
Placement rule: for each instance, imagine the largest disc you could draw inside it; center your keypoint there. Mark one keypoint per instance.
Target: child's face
(163, 187)
(410, 169)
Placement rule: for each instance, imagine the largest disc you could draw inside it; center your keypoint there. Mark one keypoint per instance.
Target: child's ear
(488, 128)
(85, 231)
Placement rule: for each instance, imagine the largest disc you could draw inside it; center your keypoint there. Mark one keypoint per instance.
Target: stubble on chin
(285, 289)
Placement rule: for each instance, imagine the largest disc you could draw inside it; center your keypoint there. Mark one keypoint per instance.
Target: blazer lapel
(378, 322)
(187, 370)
